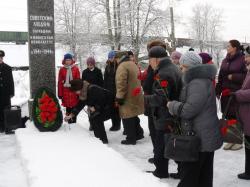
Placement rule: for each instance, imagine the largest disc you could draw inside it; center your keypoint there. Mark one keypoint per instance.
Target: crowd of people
(176, 86)
(179, 85)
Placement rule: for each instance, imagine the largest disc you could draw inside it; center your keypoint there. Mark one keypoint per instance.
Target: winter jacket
(69, 98)
(95, 96)
(6, 85)
(243, 98)
(109, 77)
(157, 101)
(93, 77)
(197, 106)
(234, 65)
(126, 83)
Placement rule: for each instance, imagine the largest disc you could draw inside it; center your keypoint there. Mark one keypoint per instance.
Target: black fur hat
(2, 54)
(157, 52)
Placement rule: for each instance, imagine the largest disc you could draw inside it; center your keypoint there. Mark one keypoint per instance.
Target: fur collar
(202, 71)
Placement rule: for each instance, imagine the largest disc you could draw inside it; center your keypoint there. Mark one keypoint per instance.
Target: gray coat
(243, 98)
(198, 106)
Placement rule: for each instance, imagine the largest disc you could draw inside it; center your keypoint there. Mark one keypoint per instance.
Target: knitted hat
(247, 51)
(68, 56)
(157, 52)
(175, 55)
(190, 58)
(2, 54)
(205, 57)
(111, 54)
(91, 61)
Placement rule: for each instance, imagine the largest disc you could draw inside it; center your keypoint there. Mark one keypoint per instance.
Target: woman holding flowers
(243, 98)
(231, 76)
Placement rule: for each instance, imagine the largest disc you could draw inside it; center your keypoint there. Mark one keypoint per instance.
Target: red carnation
(45, 99)
(136, 91)
(231, 122)
(225, 92)
(224, 131)
(164, 84)
(48, 109)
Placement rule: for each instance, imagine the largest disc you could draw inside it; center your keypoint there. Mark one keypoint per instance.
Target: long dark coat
(157, 100)
(6, 88)
(6, 85)
(234, 65)
(109, 77)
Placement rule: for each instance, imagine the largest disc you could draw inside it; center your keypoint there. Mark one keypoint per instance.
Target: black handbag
(231, 130)
(183, 147)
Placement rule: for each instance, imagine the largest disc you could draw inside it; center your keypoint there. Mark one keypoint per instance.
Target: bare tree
(142, 19)
(206, 23)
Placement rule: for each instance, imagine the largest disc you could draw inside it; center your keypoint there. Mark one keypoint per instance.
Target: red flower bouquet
(231, 131)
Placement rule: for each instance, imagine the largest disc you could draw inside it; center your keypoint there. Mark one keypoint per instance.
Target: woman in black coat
(6, 88)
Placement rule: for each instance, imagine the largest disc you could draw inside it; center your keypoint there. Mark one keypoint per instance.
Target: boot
(115, 128)
(139, 137)
(90, 127)
(228, 146)
(236, 147)
(160, 175)
(151, 160)
(175, 175)
(128, 142)
(246, 174)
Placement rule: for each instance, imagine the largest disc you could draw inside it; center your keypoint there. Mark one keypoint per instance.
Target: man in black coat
(166, 86)
(99, 101)
(109, 84)
(6, 88)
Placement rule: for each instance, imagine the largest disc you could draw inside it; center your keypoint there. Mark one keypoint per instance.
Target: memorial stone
(41, 45)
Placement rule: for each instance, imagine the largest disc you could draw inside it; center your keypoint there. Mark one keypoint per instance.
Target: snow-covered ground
(11, 169)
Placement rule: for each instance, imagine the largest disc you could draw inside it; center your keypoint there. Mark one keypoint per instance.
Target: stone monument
(41, 45)
(41, 40)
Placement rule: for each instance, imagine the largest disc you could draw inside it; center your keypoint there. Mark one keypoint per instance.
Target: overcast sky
(235, 15)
